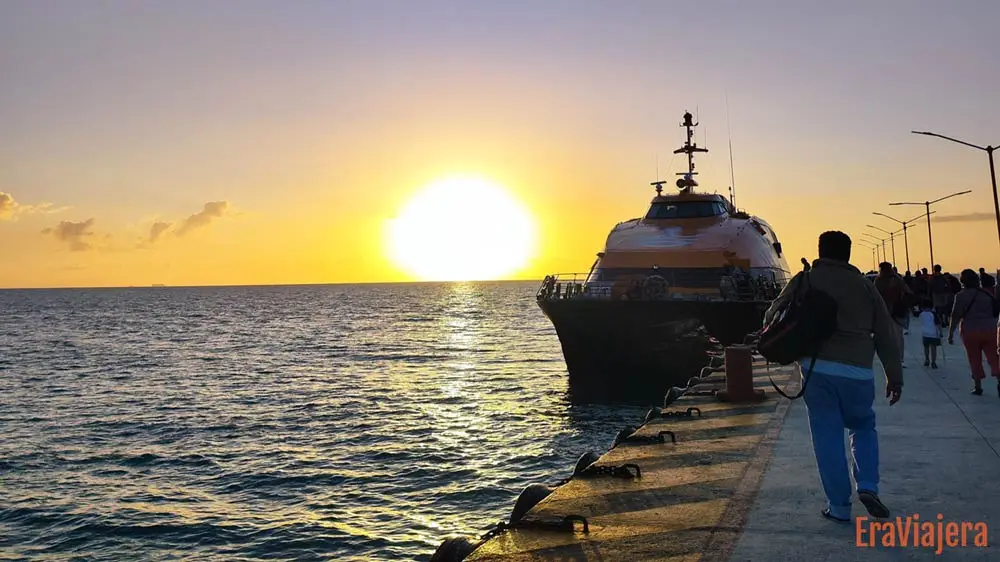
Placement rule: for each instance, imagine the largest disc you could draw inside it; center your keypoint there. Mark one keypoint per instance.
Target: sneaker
(873, 504)
(933, 365)
(978, 391)
(927, 363)
(826, 513)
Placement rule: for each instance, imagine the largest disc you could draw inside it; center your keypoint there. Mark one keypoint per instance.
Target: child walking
(930, 326)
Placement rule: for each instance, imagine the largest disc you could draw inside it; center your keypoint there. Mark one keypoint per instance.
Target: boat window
(686, 210)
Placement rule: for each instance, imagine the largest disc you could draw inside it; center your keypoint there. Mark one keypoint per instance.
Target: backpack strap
(971, 302)
(805, 380)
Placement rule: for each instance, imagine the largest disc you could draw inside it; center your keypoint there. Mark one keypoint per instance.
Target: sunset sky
(247, 142)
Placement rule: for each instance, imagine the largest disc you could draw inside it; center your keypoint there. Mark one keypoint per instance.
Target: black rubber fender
(584, 461)
(652, 414)
(623, 435)
(673, 394)
(455, 549)
(528, 499)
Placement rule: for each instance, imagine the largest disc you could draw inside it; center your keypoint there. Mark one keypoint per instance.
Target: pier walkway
(741, 482)
(939, 454)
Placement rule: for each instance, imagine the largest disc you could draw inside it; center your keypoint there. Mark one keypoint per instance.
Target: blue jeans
(837, 403)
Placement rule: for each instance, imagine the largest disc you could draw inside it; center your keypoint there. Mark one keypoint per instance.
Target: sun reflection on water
(341, 422)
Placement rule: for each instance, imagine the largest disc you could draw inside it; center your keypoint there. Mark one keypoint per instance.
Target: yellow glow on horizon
(462, 229)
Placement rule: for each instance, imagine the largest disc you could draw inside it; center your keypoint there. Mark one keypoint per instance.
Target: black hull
(629, 348)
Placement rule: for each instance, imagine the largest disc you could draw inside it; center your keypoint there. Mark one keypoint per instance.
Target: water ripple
(314, 422)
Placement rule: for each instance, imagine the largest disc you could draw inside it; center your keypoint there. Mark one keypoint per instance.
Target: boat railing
(571, 286)
(563, 286)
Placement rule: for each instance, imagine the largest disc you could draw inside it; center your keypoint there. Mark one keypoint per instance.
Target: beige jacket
(861, 314)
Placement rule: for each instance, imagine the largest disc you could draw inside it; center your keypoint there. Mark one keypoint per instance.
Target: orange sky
(277, 141)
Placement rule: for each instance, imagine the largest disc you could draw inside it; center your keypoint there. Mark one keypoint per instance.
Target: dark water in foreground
(317, 422)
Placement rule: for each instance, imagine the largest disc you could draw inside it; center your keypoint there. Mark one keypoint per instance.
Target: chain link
(565, 524)
(623, 471)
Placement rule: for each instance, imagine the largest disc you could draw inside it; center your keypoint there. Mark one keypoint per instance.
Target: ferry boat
(693, 269)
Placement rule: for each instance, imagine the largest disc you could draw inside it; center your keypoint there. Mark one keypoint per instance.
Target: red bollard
(739, 377)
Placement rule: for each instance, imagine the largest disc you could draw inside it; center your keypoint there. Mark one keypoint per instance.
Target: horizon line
(227, 285)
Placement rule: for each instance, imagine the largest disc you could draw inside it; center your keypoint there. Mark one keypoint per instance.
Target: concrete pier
(938, 449)
(741, 482)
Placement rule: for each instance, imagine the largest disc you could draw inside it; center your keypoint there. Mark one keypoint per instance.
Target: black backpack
(799, 329)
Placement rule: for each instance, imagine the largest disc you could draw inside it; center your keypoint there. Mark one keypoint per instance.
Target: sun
(461, 229)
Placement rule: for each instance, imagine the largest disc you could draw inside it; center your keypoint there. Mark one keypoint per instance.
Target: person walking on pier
(974, 309)
(840, 393)
(987, 281)
(910, 301)
(895, 294)
(921, 287)
(941, 293)
(930, 326)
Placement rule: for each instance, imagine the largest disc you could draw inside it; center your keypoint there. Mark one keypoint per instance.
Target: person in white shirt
(930, 327)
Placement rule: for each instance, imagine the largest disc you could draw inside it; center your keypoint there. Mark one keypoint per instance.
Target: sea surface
(345, 422)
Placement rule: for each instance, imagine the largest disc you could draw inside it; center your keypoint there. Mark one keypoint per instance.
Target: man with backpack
(839, 389)
(896, 296)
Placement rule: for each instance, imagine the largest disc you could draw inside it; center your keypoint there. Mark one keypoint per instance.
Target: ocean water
(346, 422)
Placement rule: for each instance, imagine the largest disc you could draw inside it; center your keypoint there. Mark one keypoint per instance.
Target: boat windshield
(686, 210)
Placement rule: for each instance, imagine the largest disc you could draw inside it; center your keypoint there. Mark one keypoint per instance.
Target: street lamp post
(869, 244)
(892, 240)
(927, 206)
(880, 240)
(906, 241)
(993, 175)
(874, 250)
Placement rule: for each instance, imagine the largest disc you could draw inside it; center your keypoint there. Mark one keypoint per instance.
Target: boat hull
(615, 347)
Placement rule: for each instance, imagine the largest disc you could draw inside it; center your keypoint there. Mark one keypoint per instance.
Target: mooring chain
(660, 413)
(566, 524)
(623, 471)
(709, 370)
(689, 413)
(658, 438)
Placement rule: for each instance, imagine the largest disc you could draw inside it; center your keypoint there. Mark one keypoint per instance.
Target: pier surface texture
(741, 483)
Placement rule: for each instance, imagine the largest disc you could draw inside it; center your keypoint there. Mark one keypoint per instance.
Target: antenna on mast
(687, 182)
(732, 174)
(658, 184)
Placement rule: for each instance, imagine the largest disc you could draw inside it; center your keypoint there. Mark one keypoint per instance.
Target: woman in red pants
(974, 308)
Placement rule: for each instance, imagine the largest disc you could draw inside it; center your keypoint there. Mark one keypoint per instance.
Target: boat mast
(687, 182)
(732, 173)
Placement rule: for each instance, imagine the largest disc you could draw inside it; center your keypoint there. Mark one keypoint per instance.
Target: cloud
(10, 209)
(211, 211)
(7, 205)
(76, 234)
(968, 217)
(158, 228)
